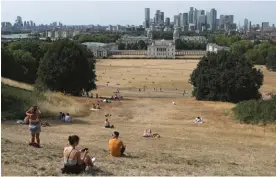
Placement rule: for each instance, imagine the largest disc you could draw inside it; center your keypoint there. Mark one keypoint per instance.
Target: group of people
(149, 134)
(76, 161)
(65, 117)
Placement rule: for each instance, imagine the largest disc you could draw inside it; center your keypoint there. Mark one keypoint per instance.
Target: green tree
(226, 77)
(28, 63)
(241, 47)
(122, 46)
(271, 61)
(67, 66)
(10, 69)
(142, 45)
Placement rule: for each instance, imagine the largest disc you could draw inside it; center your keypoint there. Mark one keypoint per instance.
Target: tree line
(140, 45)
(62, 65)
(102, 37)
(189, 45)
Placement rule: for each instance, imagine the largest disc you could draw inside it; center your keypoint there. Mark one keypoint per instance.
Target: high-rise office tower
(213, 19)
(201, 22)
(195, 16)
(191, 15)
(162, 18)
(18, 21)
(186, 19)
(167, 21)
(176, 20)
(245, 24)
(147, 18)
(265, 26)
(249, 27)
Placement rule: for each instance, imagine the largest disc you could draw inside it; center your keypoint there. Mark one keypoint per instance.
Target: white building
(133, 39)
(161, 49)
(211, 47)
(100, 50)
(200, 39)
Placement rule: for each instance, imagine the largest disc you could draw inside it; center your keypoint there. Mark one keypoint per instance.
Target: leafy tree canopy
(67, 66)
(226, 77)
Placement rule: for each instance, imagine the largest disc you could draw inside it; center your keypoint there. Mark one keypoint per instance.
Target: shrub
(226, 77)
(256, 111)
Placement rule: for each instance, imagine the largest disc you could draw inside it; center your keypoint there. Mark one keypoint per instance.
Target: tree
(10, 69)
(241, 47)
(271, 61)
(226, 77)
(67, 66)
(142, 45)
(122, 46)
(28, 63)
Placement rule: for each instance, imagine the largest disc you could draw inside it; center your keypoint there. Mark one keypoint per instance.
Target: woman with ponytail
(75, 161)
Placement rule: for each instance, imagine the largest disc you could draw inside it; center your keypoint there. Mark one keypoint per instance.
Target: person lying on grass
(33, 119)
(116, 146)
(75, 161)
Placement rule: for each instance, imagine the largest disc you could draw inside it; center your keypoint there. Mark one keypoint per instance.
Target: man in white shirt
(68, 118)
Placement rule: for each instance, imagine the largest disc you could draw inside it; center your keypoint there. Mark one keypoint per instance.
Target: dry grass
(54, 102)
(220, 146)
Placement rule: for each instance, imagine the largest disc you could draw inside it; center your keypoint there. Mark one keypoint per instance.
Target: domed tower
(175, 33)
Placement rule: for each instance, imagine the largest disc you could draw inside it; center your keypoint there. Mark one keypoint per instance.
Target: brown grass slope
(220, 146)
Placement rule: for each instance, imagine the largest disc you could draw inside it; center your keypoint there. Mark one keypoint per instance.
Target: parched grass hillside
(14, 101)
(17, 97)
(219, 146)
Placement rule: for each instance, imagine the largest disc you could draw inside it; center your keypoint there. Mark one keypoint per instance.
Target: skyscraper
(191, 15)
(176, 20)
(162, 18)
(201, 22)
(147, 17)
(18, 22)
(213, 19)
(245, 25)
(167, 21)
(185, 19)
(265, 26)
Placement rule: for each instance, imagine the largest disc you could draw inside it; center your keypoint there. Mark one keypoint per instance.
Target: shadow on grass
(57, 122)
(96, 171)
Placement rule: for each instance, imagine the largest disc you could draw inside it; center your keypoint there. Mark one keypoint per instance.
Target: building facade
(200, 39)
(161, 49)
(100, 50)
(133, 39)
(211, 47)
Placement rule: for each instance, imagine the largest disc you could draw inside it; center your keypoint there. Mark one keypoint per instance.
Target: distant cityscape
(194, 20)
(193, 27)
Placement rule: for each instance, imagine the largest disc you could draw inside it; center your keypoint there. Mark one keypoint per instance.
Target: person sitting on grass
(107, 124)
(147, 133)
(76, 161)
(33, 119)
(98, 106)
(116, 146)
(67, 118)
(198, 120)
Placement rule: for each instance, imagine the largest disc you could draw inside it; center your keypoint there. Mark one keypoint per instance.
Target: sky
(129, 12)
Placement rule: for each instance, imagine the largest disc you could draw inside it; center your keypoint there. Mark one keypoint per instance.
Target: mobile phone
(85, 149)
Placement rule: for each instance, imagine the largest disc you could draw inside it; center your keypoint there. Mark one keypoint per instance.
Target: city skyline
(129, 12)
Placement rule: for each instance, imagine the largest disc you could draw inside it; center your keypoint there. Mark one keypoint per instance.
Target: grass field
(220, 146)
